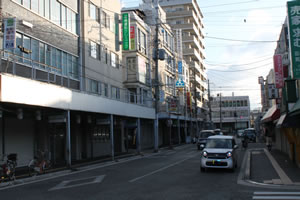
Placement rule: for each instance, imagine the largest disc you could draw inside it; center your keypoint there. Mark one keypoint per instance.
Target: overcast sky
(240, 40)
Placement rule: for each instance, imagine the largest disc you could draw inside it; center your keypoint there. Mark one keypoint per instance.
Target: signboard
(272, 92)
(278, 69)
(188, 100)
(294, 34)
(179, 83)
(179, 42)
(125, 30)
(161, 96)
(9, 33)
(180, 67)
(132, 38)
(173, 105)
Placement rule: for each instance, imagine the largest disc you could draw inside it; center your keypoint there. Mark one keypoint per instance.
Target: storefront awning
(296, 109)
(272, 114)
(280, 121)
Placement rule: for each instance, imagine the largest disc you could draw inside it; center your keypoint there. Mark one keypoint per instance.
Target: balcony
(179, 13)
(192, 52)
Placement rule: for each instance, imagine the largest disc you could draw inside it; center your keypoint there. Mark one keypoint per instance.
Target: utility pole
(209, 103)
(220, 111)
(156, 84)
(195, 99)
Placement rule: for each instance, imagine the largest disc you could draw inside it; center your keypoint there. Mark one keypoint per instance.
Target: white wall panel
(25, 91)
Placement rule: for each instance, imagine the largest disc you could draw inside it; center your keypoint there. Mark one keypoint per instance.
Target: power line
(234, 65)
(227, 4)
(228, 39)
(241, 69)
(242, 10)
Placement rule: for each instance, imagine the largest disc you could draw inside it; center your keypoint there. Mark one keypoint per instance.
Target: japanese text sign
(10, 33)
(294, 32)
(278, 68)
(125, 27)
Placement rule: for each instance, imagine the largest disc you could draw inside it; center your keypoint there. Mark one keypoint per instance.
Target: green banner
(294, 34)
(125, 27)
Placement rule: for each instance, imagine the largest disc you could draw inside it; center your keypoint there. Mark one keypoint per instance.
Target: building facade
(63, 85)
(231, 113)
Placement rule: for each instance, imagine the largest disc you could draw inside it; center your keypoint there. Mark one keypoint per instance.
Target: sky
(240, 39)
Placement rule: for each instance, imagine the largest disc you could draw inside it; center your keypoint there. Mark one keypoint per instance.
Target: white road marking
(159, 170)
(277, 197)
(66, 184)
(276, 193)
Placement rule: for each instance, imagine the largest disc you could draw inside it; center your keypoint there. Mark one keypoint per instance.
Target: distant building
(235, 113)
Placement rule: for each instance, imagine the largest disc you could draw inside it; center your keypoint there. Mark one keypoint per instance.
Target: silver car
(219, 152)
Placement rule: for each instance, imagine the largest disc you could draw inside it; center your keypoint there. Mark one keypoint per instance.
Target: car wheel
(198, 147)
(232, 169)
(202, 169)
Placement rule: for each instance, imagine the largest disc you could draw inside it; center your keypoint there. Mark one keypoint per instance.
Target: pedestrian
(268, 139)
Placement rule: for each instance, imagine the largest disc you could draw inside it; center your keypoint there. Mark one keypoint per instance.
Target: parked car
(219, 152)
(218, 132)
(203, 135)
(250, 134)
(240, 133)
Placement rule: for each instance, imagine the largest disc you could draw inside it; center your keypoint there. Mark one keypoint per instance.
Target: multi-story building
(62, 84)
(185, 15)
(231, 113)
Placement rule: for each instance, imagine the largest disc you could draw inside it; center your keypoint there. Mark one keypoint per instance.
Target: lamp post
(220, 95)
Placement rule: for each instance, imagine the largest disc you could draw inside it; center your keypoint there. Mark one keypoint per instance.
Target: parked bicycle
(8, 167)
(39, 164)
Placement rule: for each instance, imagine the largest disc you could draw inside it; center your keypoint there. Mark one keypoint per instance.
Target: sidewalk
(274, 168)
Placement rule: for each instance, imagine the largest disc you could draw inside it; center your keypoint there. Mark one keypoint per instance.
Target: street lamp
(220, 95)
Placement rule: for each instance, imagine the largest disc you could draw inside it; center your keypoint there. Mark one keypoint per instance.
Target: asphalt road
(170, 174)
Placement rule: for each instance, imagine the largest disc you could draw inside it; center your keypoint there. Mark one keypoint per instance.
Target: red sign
(278, 68)
(188, 99)
(132, 37)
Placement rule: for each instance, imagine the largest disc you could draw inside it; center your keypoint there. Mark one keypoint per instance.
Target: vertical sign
(117, 34)
(125, 31)
(179, 42)
(278, 68)
(132, 38)
(294, 33)
(180, 67)
(9, 33)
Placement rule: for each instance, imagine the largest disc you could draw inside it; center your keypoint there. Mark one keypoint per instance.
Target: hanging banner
(132, 38)
(278, 69)
(294, 36)
(125, 30)
(9, 33)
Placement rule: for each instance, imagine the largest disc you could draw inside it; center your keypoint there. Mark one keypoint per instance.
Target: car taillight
(204, 154)
(229, 154)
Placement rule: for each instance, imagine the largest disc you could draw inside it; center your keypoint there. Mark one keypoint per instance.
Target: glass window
(35, 52)
(48, 55)
(105, 90)
(58, 61)
(73, 15)
(19, 1)
(113, 92)
(242, 103)
(26, 3)
(103, 18)
(47, 9)
(35, 5)
(238, 104)
(19, 43)
(131, 63)
(93, 11)
(26, 44)
(93, 49)
(41, 7)
(113, 59)
(70, 66)
(93, 86)
(75, 68)
(63, 16)
(42, 55)
(53, 60)
(64, 64)
(69, 20)
(246, 103)
(117, 61)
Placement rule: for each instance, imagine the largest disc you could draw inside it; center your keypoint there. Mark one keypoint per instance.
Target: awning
(296, 109)
(280, 121)
(272, 114)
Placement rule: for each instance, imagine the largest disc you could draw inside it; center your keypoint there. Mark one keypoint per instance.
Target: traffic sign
(179, 83)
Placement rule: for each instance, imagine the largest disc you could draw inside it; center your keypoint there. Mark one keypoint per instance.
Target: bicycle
(8, 171)
(39, 165)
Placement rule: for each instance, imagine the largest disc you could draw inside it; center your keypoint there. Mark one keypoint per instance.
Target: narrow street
(170, 174)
